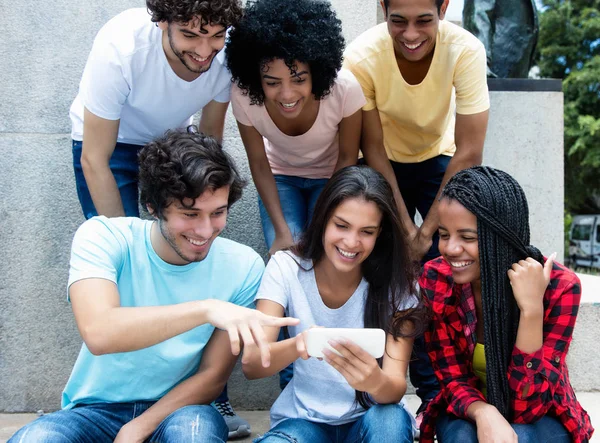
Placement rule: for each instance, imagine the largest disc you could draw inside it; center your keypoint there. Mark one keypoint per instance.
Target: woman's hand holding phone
(356, 365)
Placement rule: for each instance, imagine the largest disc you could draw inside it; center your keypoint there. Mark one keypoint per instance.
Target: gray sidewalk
(259, 420)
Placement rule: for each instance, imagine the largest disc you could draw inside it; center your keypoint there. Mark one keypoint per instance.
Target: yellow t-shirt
(479, 367)
(418, 120)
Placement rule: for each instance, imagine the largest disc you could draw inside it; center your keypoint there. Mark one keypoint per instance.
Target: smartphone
(371, 340)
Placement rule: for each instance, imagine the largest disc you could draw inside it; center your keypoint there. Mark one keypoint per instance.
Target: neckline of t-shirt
(294, 137)
(433, 61)
(322, 306)
(156, 259)
(169, 70)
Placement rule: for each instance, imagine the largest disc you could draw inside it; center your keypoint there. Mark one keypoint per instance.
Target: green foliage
(569, 49)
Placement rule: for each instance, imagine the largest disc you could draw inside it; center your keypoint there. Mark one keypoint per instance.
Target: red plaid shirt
(451, 340)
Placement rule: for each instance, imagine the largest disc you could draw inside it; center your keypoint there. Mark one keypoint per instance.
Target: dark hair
(438, 4)
(306, 31)
(213, 12)
(182, 165)
(388, 269)
(499, 204)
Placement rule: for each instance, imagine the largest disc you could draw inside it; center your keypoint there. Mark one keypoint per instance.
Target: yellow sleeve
(470, 82)
(366, 82)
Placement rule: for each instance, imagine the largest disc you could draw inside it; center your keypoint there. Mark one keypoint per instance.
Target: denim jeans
(381, 424)
(297, 196)
(419, 183)
(100, 423)
(124, 166)
(548, 429)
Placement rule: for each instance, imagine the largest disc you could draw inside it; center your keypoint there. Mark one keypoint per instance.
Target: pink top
(314, 153)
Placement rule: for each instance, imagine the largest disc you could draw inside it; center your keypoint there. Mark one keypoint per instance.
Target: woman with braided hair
(502, 321)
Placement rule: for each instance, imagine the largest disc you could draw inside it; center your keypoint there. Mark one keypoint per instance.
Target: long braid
(500, 206)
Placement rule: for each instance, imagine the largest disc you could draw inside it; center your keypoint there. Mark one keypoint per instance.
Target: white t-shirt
(317, 392)
(314, 153)
(128, 77)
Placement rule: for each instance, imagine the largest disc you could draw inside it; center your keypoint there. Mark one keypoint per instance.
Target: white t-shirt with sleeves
(127, 77)
(316, 392)
(313, 154)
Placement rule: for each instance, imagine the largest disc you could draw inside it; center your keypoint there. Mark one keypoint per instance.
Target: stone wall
(44, 50)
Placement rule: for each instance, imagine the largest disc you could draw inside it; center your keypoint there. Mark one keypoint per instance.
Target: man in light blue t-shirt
(162, 306)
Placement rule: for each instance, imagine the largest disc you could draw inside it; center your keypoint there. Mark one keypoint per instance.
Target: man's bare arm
(106, 327)
(469, 136)
(200, 389)
(212, 121)
(376, 157)
(99, 140)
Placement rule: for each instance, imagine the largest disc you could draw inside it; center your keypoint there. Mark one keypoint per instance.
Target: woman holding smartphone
(351, 269)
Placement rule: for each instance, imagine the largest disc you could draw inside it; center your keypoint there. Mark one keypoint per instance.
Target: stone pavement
(259, 420)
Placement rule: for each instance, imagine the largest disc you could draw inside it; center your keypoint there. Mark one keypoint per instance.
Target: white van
(584, 244)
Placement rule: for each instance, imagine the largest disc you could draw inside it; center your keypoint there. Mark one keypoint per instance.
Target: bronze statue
(508, 29)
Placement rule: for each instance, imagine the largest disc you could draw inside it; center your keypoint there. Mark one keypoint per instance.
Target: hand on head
(529, 280)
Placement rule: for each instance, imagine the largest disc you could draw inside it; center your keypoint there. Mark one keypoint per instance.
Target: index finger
(269, 320)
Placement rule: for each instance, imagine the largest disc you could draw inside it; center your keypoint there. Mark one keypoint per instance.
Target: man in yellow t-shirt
(427, 105)
(417, 71)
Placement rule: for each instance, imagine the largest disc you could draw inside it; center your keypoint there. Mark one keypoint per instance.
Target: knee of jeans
(194, 421)
(457, 430)
(276, 437)
(526, 433)
(390, 419)
(40, 433)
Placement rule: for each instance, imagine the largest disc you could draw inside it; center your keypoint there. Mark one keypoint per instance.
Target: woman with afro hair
(298, 114)
(502, 321)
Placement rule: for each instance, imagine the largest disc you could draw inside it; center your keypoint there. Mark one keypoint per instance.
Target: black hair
(499, 204)
(213, 12)
(182, 165)
(388, 269)
(306, 31)
(438, 4)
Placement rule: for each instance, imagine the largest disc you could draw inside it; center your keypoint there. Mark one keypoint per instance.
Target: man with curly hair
(149, 70)
(162, 306)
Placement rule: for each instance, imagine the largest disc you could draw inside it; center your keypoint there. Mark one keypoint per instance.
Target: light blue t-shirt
(317, 391)
(119, 250)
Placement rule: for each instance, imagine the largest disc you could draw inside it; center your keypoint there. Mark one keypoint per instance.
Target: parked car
(584, 241)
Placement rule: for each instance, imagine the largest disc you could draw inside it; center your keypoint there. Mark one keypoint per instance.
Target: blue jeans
(381, 424)
(419, 183)
(124, 166)
(297, 196)
(548, 429)
(100, 423)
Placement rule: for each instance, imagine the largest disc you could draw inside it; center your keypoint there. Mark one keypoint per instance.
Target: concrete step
(259, 420)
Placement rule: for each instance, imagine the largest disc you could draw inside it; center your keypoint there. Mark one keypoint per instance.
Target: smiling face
(351, 233)
(185, 234)
(286, 92)
(413, 26)
(191, 47)
(459, 242)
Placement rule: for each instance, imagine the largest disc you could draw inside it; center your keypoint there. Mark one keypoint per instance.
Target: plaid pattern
(539, 382)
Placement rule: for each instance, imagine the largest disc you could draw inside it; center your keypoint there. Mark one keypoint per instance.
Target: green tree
(569, 49)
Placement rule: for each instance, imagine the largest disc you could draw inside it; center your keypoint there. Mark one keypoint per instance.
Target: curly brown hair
(213, 12)
(180, 166)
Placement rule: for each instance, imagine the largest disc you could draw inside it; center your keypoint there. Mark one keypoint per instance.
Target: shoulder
(368, 45)
(455, 38)
(346, 80)
(242, 259)
(563, 283)
(121, 228)
(128, 32)
(288, 262)
(436, 280)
